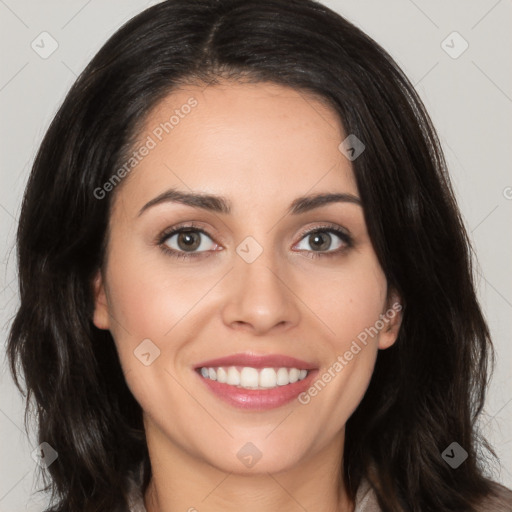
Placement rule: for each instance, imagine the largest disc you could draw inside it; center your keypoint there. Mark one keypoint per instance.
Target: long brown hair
(426, 391)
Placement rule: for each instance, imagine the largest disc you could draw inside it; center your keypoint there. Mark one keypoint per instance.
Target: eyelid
(168, 232)
(324, 227)
(339, 231)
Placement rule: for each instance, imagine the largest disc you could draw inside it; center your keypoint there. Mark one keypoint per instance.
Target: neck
(182, 482)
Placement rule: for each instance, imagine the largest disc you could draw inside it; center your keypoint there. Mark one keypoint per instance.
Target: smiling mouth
(247, 377)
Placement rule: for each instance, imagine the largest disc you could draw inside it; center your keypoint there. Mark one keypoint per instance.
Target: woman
(244, 280)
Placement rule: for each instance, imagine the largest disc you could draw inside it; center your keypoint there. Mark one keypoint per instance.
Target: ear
(392, 319)
(101, 312)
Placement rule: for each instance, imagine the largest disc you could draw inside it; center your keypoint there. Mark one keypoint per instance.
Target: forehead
(264, 142)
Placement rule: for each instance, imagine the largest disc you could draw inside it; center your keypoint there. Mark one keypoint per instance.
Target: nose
(260, 296)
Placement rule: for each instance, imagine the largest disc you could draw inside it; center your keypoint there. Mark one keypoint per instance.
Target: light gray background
(469, 99)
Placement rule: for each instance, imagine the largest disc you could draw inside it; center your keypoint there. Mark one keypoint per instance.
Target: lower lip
(258, 399)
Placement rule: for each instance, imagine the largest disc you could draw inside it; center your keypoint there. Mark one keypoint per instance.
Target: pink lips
(258, 361)
(258, 399)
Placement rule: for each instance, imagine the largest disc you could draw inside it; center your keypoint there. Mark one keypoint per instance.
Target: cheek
(350, 306)
(146, 298)
(351, 300)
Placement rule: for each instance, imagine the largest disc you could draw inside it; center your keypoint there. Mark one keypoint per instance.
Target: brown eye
(321, 240)
(187, 240)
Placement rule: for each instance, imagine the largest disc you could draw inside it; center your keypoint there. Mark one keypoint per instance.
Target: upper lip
(258, 361)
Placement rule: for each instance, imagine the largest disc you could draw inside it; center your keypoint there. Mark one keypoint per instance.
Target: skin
(261, 146)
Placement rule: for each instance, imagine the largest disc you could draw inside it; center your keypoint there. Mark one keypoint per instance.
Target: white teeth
(254, 378)
(294, 375)
(249, 377)
(222, 376)
(233, 376)
(283, 377)
(268, 378)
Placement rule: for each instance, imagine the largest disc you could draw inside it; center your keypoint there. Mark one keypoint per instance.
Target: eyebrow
(220, 204)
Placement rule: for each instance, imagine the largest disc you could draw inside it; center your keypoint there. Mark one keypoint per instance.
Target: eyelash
(163, 237)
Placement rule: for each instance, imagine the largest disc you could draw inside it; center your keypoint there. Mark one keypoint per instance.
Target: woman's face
(255, 282)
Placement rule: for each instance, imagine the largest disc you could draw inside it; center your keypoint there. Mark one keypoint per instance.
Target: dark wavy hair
(426, 391)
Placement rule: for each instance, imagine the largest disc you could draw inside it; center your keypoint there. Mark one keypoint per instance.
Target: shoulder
(366, 499)
(499, 501)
